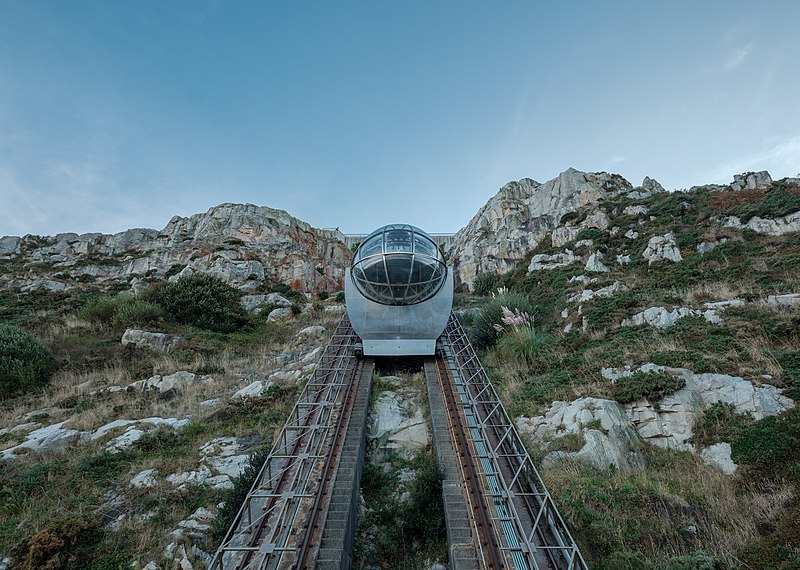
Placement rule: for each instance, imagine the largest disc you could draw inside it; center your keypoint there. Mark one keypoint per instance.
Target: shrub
(235, 497)
(482, 333)
(485, 283)
(651, 385)
(523, 344)
(773, 441)
(695, 561)
(340, 297)
(138, 312)
(24, 362)
(720, 422)
(203, 301)
(323, 295)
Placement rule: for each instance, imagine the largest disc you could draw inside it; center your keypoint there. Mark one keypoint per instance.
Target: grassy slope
(640, 520)
(67, 494)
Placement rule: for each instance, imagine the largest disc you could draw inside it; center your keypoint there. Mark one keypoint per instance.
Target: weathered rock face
(609, 437)
(241, 243)
(771, 227)
(524, 213)
(751, 180)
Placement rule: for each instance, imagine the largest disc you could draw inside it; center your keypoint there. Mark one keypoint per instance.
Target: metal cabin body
(399, 292)
(406, 330)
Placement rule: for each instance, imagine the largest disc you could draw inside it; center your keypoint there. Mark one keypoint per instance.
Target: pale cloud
(780, 157)
(616, 159)
(737, 57)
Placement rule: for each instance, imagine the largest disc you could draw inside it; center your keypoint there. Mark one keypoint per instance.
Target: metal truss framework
(528, 525)
(268, 532)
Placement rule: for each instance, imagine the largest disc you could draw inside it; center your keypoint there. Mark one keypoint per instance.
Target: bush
(523, 344)
(773, 441)
(24, 362)
(485, 283)
(720, 422)
(651, 385)
(122, 309)
(695, 561)
(235, 497)
(323, 295)
(340, 297)
(203, 301)
(482, 333)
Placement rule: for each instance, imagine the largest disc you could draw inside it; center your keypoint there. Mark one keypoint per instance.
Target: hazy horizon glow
(122, 114)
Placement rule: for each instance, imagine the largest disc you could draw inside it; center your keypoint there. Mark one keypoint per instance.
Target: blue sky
(118, 114)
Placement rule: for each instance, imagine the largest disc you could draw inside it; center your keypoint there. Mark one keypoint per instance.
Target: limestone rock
(250, 303)
(787, 299)
(623, 259)
(722, 305)
(223, 455)
(253, 390)
(708, 246)
(662, 318)
(397, 424)
(245, 245)
(670, 423)
(279, 314)
(635, 211)
(631, 234)
(771, 227)
(542, 261)
(588, 294)
(54, 437)
(521, 216)
(143, 479)
(751, 180)
(607, 431)
(719, 456)
(170, 381)
(662, 247)
(563, 235)
(157, 341)
(312, 331)
(595, 265)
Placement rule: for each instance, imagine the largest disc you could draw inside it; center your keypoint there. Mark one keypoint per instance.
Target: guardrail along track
(275, 526)
(515, 522)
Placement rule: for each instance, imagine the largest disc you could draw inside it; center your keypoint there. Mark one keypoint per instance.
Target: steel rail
(487, 546)
(289, 477)
(521, 499)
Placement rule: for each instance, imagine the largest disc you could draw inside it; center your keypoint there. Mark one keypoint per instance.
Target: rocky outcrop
(661, 318)
(161, 342)
(589, 294)
(670, 422)
(243, 244)
(771, 227)
(609, 437)
(521, 215)
(662, 248)
(751, 180)
(396, 422)
(719, 456)
(543, 261)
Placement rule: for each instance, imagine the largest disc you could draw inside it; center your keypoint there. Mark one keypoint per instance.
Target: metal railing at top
(533, 531)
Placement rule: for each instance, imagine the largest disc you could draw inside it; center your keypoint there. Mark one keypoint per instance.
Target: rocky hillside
(247, 246)
(658, 376)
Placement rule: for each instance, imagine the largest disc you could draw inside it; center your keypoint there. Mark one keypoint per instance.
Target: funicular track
(284, 516)
(514, 520)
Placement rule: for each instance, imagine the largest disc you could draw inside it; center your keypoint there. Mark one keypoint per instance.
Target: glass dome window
(398, 265)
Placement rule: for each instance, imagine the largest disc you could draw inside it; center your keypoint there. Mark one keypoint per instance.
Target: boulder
(595, 265)
(662, 318)
(669, 422)
(252, 303)
(708, 246)
(223, 455)
(635, 211)
(771, 227)
(609, 436)
(541, 261)
(253, 390)
(10, 245)
(311, 332)
(719, 456)
(751, 180)
(563, 235)
(144, 479)
(162, 342)
(787, 299)
(279, 314)
(54, 437)
(588, 294)
(662, 248)
(170, 381)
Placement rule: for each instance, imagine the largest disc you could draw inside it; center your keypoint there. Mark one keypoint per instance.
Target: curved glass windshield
(398, 265)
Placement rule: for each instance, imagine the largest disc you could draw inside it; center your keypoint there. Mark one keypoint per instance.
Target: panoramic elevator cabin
(399, 292)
